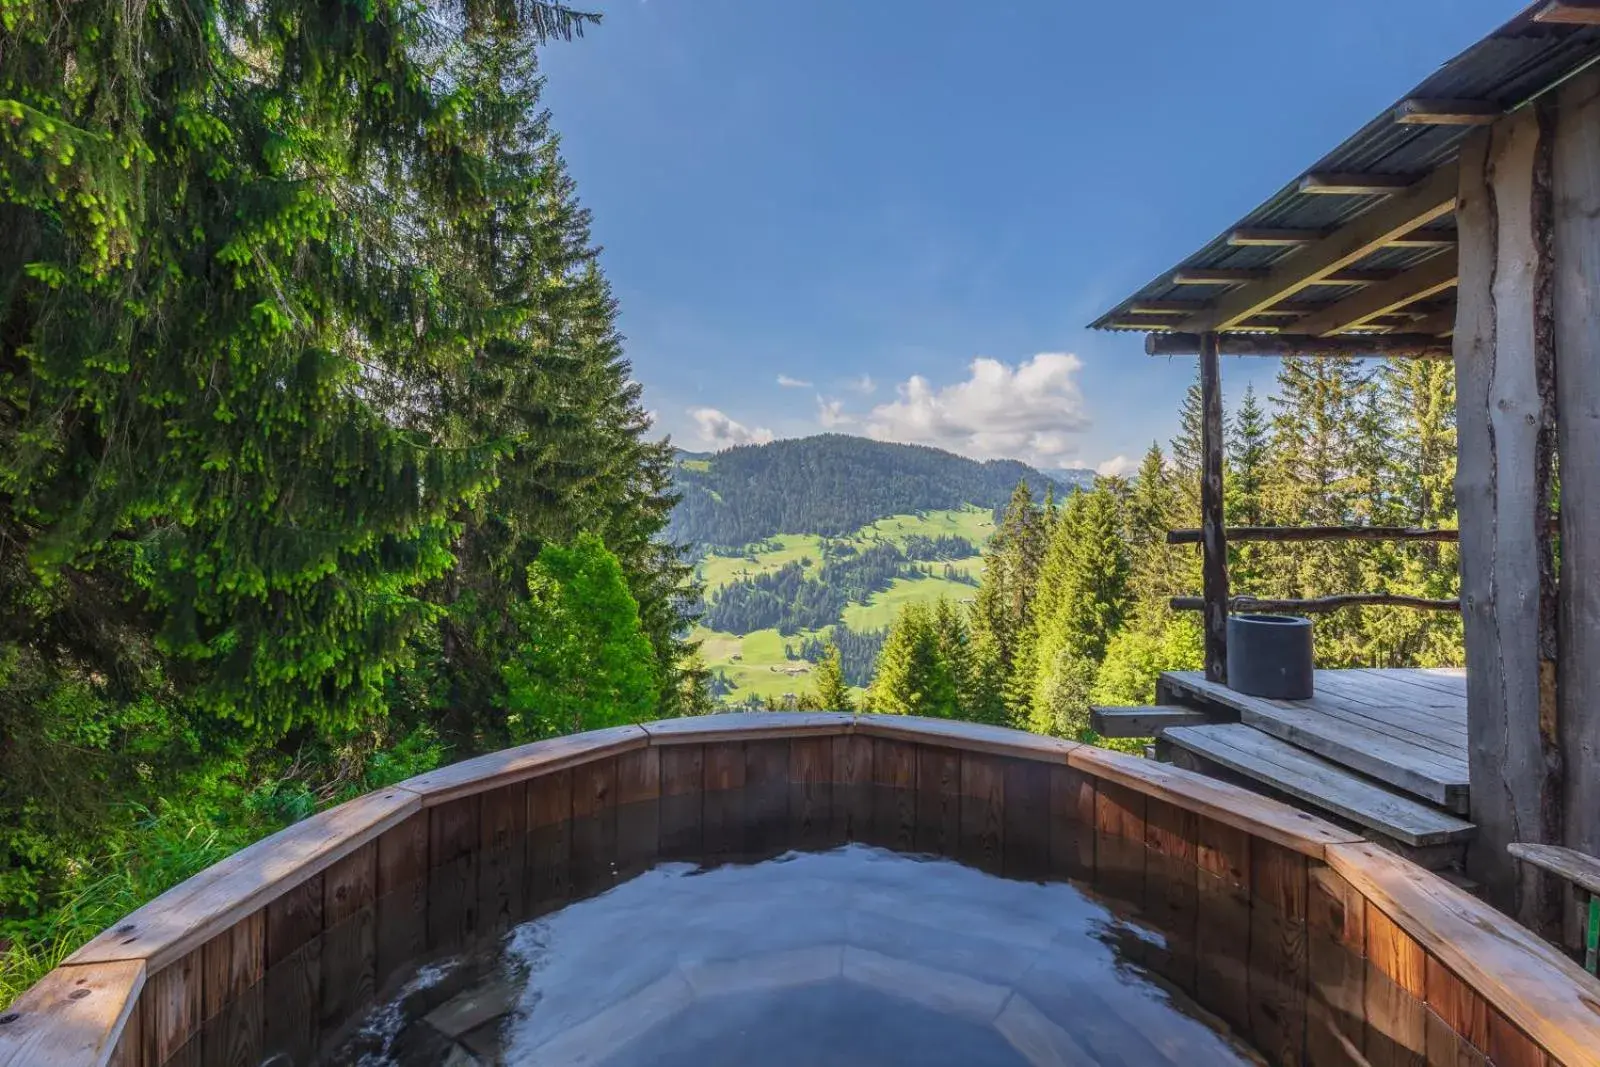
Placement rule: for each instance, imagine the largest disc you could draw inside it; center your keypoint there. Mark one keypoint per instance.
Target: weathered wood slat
(74, 1015)
(1336, 735)
(1214, 540)
(1396, 345)
(1582, 871)
(966, 736)
(747, 726)
(1141, 721)
(519, 764)
(1336, 970)
(1319, 783)
(1230, 805)
(1534, 985)
(1289, 534)
(1222, 934)
(1320, 604)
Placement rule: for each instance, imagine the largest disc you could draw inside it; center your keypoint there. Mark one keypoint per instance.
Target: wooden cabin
(1462, 223)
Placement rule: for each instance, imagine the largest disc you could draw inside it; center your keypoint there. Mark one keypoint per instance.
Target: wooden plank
(1576, 324)
(852, 787)
(194, 911)
(938, 800)
(1279, 973)
(523, 762)
(1072, 824)
(1575, 867)
(1428, 200)
(1213, 540)
(766, 802)
(966, 736)
(1318, 605)
(1170, 893)
(1141, 721)
(1503, 490)
(983, 802)
(1430, 278)
(349, 937)
(1222, 933)
(748, 726)
(1509, 1046)
(1319, 783)
(1027, 815)
(453, 835)
(811, 822)
(1395, 987)
(1569, 12)
(724, 798)
(73, 1015)
(1119, 850)
(1334, 735)
(402, 896)
(1273, 237)
(682, 801)
(1433, 112)
(503, 857)
(1461, 1033)
(1291, 534)
(233, 965)
(1261, 341)
(293, 984)
(1329, 183)
(1336, 970)
(638, 810)
(1538, 988)
(1228, 804)
(894, 794)
(594, 825)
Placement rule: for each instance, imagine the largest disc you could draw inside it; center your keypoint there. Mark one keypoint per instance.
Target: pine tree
(1244, 502)
(1187, 455)
(1002, 622)
(913, 677)
(832, 692)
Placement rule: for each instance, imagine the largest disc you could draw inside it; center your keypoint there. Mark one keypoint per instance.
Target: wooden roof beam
(1420, 112)
(1388, 221)
(1355, 346)
(1327, 183)
(1569, 12)
(1266, 236)
(1420, 282)
(1238, 275)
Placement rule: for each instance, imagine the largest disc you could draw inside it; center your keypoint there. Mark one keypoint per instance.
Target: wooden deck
(1406, 728)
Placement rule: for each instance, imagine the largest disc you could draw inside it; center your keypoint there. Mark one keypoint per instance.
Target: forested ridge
(320, 461)
(1073, 607)
(833, 484)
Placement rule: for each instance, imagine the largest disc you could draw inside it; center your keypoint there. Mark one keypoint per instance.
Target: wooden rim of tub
(77, 1015)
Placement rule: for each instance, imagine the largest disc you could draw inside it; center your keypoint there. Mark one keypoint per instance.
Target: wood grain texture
(1336, 937)
(192, 912)
(852, 787)
(724, 798)
(938, 800)
(402, 896)
(1213, 534)
(1222, 933)
(1509, 1046)
(349, 936)
(894, 794)
(638, 810)
(1257, 815)
(232, 962)
(1119, 852)
(478, 775)
(1463, 1017)
(76, 1015)
(1072, 824)
(1396, 1012)
(171, 1005)
(549, 840)
(766, 800)
(293, 984)
(1170, 890)
(1278, 967)
(1538, 989)
(811, 822)
(748, 726)
(503, 856)
(594, 825)
(966, 736)
(454, 831)
(682, 800)
(981, 841)
(1576, 254)
(1026, 818)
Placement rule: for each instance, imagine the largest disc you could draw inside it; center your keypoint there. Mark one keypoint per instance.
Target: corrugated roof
(1518, 62)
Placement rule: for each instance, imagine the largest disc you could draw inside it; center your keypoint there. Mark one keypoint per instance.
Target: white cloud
(1031, 412)
(1118, 466)
(831, 413)
(719, 431)
(864, 385)
(793, 383)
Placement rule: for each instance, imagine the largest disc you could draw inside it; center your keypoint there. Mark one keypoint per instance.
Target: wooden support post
(1214, 541)
(1575, 183)
(1505, 424)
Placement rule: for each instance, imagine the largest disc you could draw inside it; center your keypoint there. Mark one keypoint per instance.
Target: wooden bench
(1141, 721)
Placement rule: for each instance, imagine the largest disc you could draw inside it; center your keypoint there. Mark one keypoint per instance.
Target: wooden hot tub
(1295, 936)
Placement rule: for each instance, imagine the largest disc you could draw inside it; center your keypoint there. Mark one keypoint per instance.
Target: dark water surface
(855, 955)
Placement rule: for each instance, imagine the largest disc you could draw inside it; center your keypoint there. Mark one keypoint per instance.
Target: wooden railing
(137, 995)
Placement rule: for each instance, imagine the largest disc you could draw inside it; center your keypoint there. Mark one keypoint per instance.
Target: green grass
(878, 613)
(718, 570)
(695, 464)
(760, 667)
(975, 524)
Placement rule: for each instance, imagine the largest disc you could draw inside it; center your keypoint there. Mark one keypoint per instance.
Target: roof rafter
(1431, 277)
(1569, 12)
(1428, 200)
(1420, 112)
(1331, 184)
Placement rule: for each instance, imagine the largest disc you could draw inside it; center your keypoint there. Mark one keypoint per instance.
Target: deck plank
(1388, 752)
(1321, 784)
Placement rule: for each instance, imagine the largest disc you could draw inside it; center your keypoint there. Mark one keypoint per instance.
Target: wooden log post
(1214, 542)
(1505, 407)
(1576, 307)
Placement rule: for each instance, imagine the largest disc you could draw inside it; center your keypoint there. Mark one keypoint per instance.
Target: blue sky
(908, 209)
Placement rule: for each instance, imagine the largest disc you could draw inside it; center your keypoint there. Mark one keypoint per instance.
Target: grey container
(1270, 656)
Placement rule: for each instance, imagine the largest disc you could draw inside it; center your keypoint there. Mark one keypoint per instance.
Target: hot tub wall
(1304, 939)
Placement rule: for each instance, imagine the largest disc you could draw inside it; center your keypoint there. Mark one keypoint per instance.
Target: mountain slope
(833, 484)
